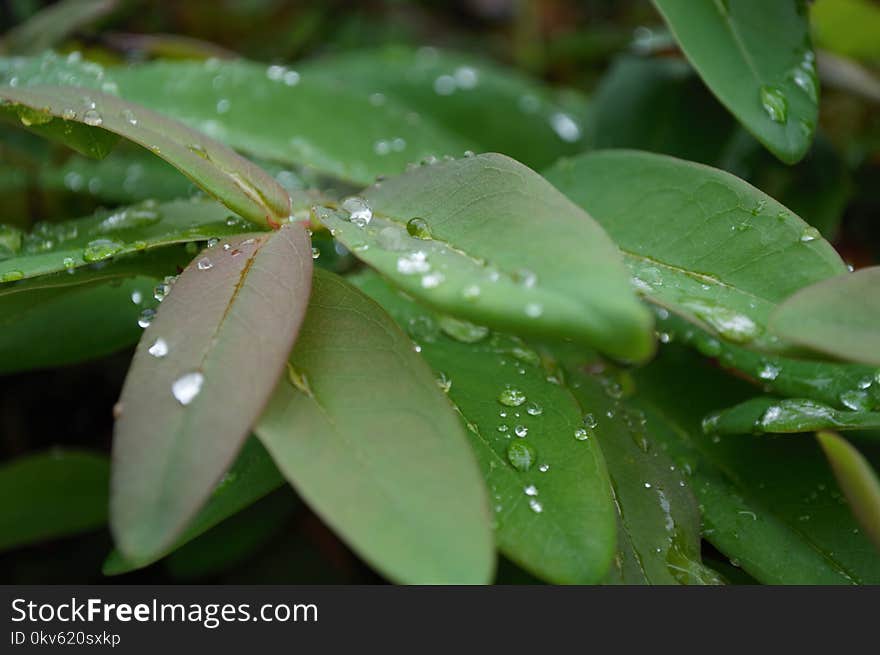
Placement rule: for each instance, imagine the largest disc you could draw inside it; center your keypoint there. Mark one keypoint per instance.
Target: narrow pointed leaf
(250, 478)
(698, 241)
(838, 317)
(236, 182)
(497, 245)
(771, 505)
(756, 57)
(276, 113)
(50, 495)
(54, 23)
(790, 415)
(658, 518)
(549, 489)
(858, 480)
(95, 240)
(362, 432)
(202, 373)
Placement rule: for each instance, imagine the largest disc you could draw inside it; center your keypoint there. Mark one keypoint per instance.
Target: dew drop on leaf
(159, 348)
(774, 103)
(521, 455)
(187, 387)
(511, 397)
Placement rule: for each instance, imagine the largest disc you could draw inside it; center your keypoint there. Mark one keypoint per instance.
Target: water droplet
(187, 387)
(806, 82)
(432, 280)
(581, 434)
(471, 292)
(160, 291)
(101, 249)
(590, 421)
(810, 234)
(418, 228)
(159, 348)
(414, 262)
(544, 468)
(534, 409)
(534, 310)
(530, 490)
(503, 428)
(521, 455)
(93, 118)
(136, 297)
(146, 317)
(444, 382)
(565, 127)
(769, 371)
(774, 103)
(205, 264)
(856, 400)
(444, 85)
(535, 506)
(316, 252)
(68, 114)
(521, 431)
(462, 330)
(511, 397)
(466, 77)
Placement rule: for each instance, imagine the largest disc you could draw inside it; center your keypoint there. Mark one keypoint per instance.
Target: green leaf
(492, 109)
(202, 373)
(698, 241)
(278, 114)
(95, 240)
(845, 386)
(661, 106)
(550, 492)
(658, 518)
(50, 495)
(53, 24)
(233, 180)
(371, 444)
(769, 504)
(791, 415)
(250, 478)
(487, 239)
(67, 325)
(838, 317)
(757, 59)
(857, 479)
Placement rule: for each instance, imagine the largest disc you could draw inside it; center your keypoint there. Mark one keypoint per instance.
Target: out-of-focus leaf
(251, 477)
(487, 239)
(659, 105)
(202, 373)
(55, 111)
(549, 489)
(53, 24)
(233, 540)
(757, 59)
(362, 432)
(845, 386)
(839, 317)
(279, 114)
(491, 108)
(658, 518)
(858, 480)
(847, 27)
(698, 241)
(790, 415)
(769, 504)
(95, 240)
(52, 494)
(66, 325)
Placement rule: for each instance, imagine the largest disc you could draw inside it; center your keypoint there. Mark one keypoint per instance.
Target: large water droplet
(187, 387)
(93, 118)
(511, 397)
(462, 330)
(101, 249)
(359, 211)
(418, 228)
(774, 103)
(521, 455)
(159, 348)
(413, 263)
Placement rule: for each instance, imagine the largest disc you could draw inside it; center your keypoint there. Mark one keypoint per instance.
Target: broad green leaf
(54, 23)
(362, 432)
(67, 325)
(757, 59)
(108, 234)
(233, 180)
(848, 27)
(790, 415)
(549, 489)
(202, 373)
(769, 504)
(250, 478)
(845, 386)
(658, 518)
(487, 239)
(659, 105)
(490, 108)
(50, 495)
(278, 114)
(838, 317)
(857, 479)
(698, 241)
